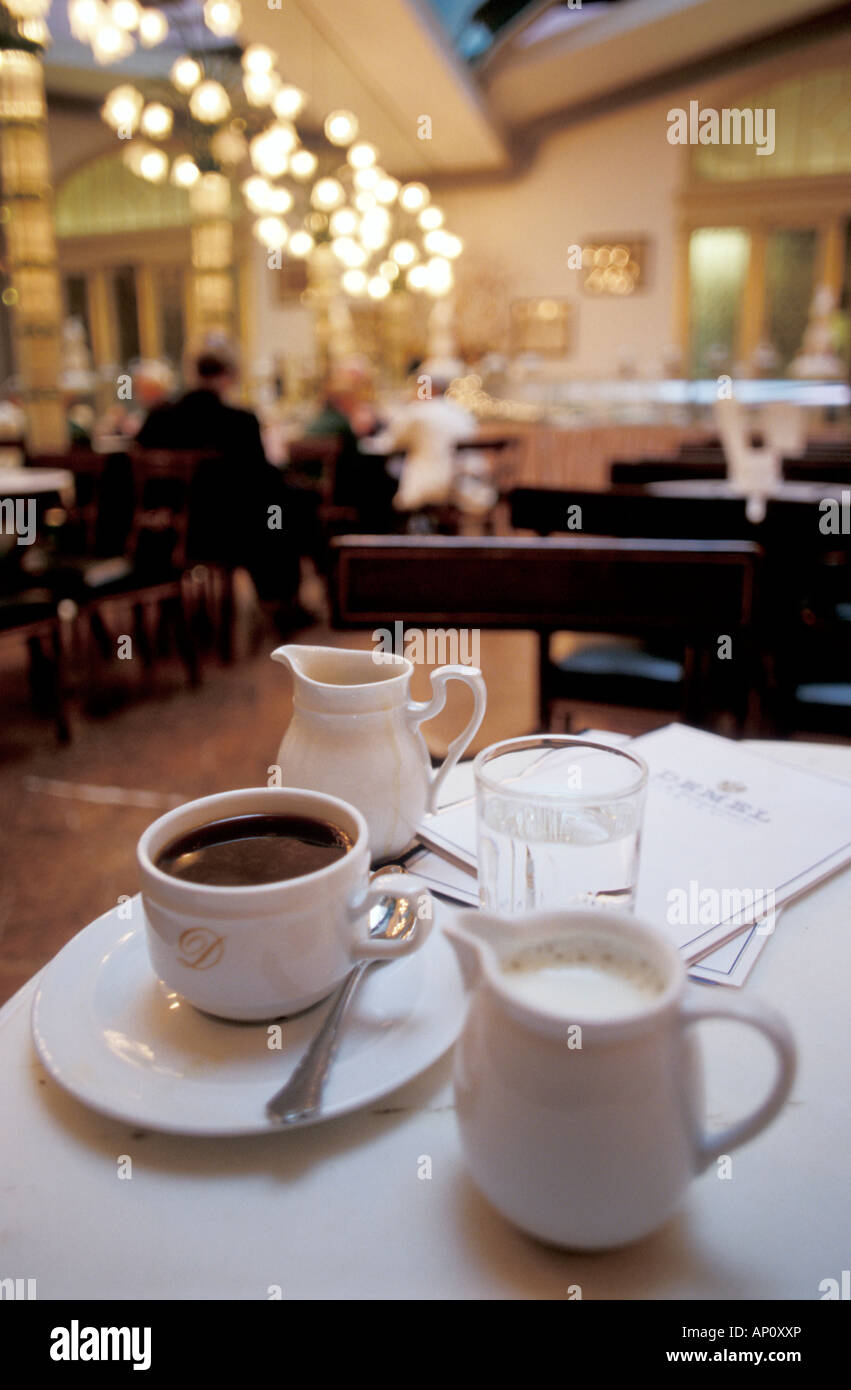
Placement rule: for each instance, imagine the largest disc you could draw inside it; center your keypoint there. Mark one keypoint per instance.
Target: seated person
(430, 430)
(230, 517)
(360, 481)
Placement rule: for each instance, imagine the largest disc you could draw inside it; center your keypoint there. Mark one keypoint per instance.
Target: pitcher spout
(475, 953)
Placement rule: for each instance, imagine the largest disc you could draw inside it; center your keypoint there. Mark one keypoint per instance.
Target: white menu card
(730, 836)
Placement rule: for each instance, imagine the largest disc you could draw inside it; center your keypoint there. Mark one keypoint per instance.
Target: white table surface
(29, 482)
(338, 1211)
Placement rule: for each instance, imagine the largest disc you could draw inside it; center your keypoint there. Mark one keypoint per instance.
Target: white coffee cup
(580, 1119)
(260, 951)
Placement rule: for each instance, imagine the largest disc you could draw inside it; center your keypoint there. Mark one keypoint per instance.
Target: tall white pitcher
(355, 734)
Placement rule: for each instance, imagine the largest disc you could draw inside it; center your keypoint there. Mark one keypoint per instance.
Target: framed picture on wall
(544, 326)
(615, 265)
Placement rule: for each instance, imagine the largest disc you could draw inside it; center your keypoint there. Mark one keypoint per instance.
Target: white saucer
(114, 1036)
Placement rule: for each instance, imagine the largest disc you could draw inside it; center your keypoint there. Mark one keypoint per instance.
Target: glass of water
(559, 824)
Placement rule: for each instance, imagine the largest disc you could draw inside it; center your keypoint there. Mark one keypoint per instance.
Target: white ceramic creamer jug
(355, 734)
(582, 1124)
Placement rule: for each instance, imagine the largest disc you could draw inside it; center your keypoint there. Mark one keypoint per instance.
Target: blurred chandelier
(113, 27)
(230, 107)
(23, 25)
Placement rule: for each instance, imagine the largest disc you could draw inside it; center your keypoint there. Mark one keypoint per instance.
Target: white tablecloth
(32, 482)
(339, 1211)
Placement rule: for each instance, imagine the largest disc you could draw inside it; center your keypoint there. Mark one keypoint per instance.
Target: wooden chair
(807, 620)
(642, 471)
(28, 615)
(628, 512)
(152, 574)
(685, 592)
(819, 468)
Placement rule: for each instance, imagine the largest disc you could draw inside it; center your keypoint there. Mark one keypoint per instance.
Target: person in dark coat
(241, 509)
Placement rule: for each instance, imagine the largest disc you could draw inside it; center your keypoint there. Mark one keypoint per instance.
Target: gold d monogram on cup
(200, 948)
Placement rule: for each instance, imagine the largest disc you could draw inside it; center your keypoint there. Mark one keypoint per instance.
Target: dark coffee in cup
(245, 850)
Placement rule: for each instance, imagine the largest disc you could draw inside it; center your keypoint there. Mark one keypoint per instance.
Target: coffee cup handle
(765, 1020)
(419, 712)
(396, 886)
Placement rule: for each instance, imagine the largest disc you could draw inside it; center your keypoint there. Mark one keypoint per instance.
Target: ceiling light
(303, 164)
(341, 127)
(223, 17)
(288, 102)
(186, 74)
(301, 244)
(209, 103)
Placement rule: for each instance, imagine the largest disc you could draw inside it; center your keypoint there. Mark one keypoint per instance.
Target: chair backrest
(629, 512)
(821, 468)
(316, 457)
(163, 481)
(581, 584)
(641, 471)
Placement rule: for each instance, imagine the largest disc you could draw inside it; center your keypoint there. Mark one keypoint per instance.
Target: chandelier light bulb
(126, 14)
(273, 232)
(209, 103)
(355, 282)
(260, 87)
(404, 253)
(366, 179)
(288, 102)
(223, 17)
(452, 245)
(362, 155)
(110, 44)
(375, 228)
(347, 250)
(184, 171)
(343, 222)
(153, 165)
(186, 73)
(327, 194)
(229, 146)
(256, 193)
(365, 201)
(417, 278)
(414, 196)
(430, 218)
(28, 9)
(153, 28)
(258, 58)
(280, 200)
(377, 288)
(303, 164)
(387, 190)
(270, 150)
(84, 17)
(301, 244)
(438, 276)
(123, 107)
(389, 271)
(157, 120)
(341, 127)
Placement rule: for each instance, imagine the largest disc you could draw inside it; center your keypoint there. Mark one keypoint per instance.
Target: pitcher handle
(420, 711)
(766, 1021)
